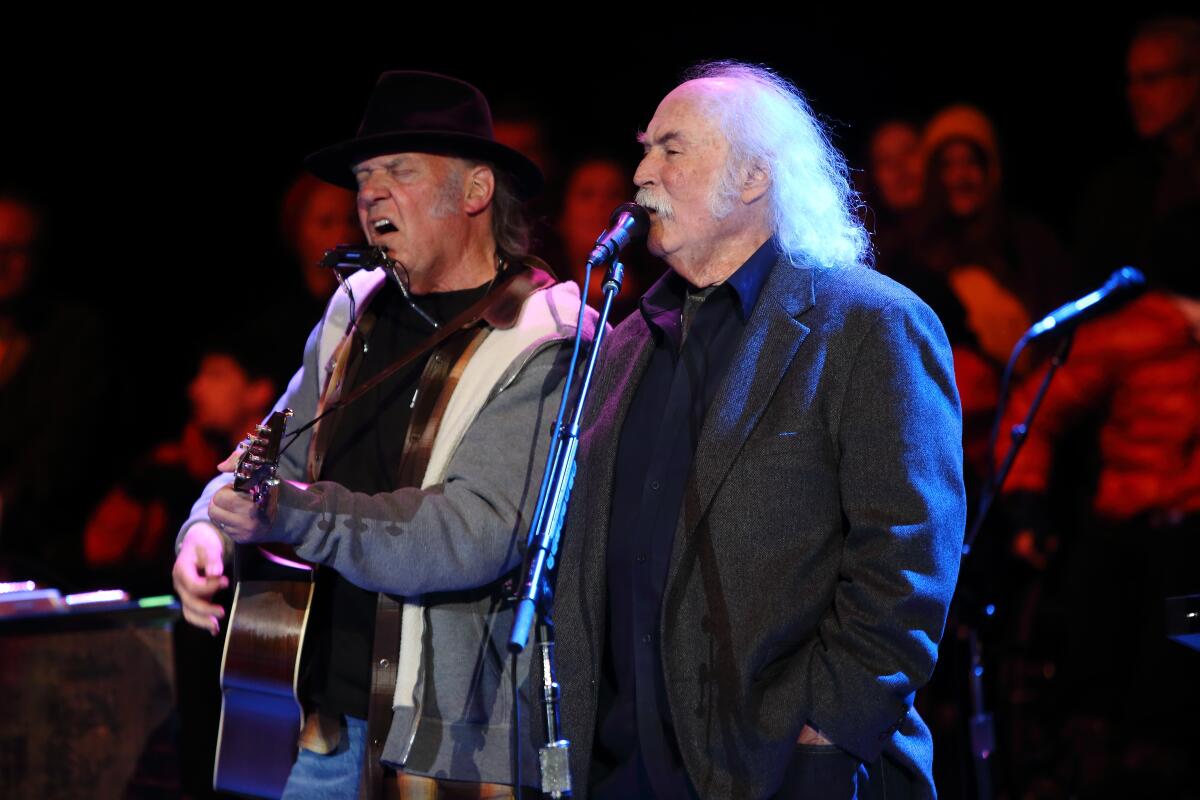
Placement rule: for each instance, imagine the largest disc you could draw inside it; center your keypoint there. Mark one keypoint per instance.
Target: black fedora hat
(424, 112)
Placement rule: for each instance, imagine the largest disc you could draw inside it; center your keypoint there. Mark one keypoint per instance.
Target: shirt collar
(750, 278)
(667, 294)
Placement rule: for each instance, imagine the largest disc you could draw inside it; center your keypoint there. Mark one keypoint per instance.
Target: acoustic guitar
(261, 713)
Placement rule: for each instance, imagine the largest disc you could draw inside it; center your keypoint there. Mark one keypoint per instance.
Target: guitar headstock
(259, 461)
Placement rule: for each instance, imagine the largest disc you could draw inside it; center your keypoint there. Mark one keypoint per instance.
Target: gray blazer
(818, 544)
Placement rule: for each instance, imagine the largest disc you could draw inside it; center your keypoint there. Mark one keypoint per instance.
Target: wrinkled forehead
(692, 112)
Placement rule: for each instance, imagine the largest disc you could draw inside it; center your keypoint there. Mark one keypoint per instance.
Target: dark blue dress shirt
(696, 333)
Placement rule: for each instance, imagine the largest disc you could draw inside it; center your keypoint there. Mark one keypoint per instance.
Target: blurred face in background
(327, 218)
(528, 137)
(1163, 89)
(593, 190)
(223, 396)
(895, 155)
(18, 232)
(962, 173)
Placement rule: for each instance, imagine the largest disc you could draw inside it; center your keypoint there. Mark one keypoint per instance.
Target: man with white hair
(758, 560)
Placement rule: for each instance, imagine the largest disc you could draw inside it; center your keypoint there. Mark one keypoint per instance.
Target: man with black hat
(419, 489)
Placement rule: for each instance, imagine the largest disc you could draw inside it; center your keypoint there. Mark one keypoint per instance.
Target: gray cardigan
(454, 543)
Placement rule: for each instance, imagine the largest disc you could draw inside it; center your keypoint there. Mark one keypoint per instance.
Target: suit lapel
(766, 351)
(769, 344)
(624, 360)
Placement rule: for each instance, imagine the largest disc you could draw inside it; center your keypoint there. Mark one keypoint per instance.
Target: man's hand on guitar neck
(198, 574)
(237, 515)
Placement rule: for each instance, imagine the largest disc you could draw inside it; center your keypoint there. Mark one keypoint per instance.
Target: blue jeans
(330, 777)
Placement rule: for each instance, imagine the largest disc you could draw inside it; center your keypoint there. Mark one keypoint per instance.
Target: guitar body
(261, 713)
(261, 668)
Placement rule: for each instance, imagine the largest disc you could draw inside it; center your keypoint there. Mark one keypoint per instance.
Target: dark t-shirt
(364, 455)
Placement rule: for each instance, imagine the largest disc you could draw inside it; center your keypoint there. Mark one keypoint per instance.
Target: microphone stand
(982, 722)
(1018, 434)
(535, 596)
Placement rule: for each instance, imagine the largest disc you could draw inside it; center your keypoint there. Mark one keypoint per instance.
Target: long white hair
(811, 201)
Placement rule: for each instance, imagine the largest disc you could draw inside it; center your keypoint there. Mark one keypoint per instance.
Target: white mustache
(659, 205)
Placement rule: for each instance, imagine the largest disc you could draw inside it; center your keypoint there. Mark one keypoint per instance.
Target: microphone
(1124, 284)
(628, 222)
(348, 258)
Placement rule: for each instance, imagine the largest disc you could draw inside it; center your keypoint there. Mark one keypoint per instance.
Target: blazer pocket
(821, 770)
(779, 444)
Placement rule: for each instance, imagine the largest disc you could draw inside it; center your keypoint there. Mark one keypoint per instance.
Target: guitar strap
(499, 308)
(438, 382)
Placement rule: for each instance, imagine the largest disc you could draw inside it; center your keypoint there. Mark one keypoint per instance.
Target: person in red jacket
(1142, 364)
(1130, 693)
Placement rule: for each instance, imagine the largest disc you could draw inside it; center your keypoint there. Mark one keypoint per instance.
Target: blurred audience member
(1125, 208)
(895, 153)
(1131, 694)
(316, 216)
(524, 128)
(129, 539)
(893, 187)
(20, 226)
(1004, 267)
(594, 187)
(52, 380)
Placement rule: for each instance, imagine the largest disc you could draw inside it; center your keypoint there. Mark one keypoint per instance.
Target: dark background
(162, 157)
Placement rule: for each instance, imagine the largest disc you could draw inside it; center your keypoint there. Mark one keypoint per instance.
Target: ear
(479, 184)
(756, 181)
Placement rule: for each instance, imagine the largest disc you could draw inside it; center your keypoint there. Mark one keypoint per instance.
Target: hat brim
(334, 163)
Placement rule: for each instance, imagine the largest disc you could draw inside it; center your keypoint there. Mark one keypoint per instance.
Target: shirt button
(645, 638)
(641, 558)
(654, 485)
(383, 662)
